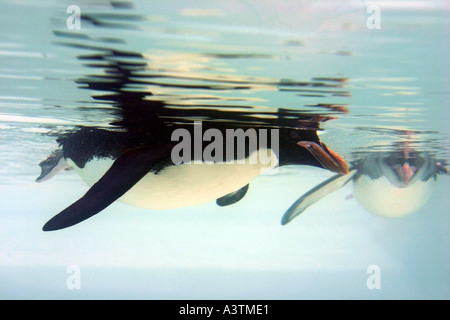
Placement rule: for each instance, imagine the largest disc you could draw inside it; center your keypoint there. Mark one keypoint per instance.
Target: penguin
(138, 169)
(132, 159)
(388, 184)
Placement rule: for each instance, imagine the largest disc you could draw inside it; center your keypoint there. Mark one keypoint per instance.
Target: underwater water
(373, 74)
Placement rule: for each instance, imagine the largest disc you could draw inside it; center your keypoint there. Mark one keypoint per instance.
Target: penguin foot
(327, 158)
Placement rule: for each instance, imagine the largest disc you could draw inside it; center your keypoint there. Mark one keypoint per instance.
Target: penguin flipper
(126, 171)
(312, 196)
(232, 197)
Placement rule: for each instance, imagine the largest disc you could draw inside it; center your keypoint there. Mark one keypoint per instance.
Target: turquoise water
(383, 88)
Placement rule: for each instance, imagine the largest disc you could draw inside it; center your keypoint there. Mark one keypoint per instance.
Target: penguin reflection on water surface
(138, 169)
(388, 184)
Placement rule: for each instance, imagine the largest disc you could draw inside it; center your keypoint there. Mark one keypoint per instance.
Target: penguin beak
(327, 158)
(405, 172)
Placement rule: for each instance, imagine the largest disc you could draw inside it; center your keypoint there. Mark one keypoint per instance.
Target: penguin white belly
(183, 185)
(380, 197)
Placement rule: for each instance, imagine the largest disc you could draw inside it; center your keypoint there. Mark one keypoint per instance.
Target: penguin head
(403, 169)
(396, 184)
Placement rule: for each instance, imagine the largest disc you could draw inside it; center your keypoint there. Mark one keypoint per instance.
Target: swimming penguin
(138, 168)
(392, 184)
(149, 156)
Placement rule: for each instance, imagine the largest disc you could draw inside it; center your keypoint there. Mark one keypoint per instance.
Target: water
(382, 90)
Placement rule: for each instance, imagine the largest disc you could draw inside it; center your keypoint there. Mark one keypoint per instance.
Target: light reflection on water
(237, 60)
